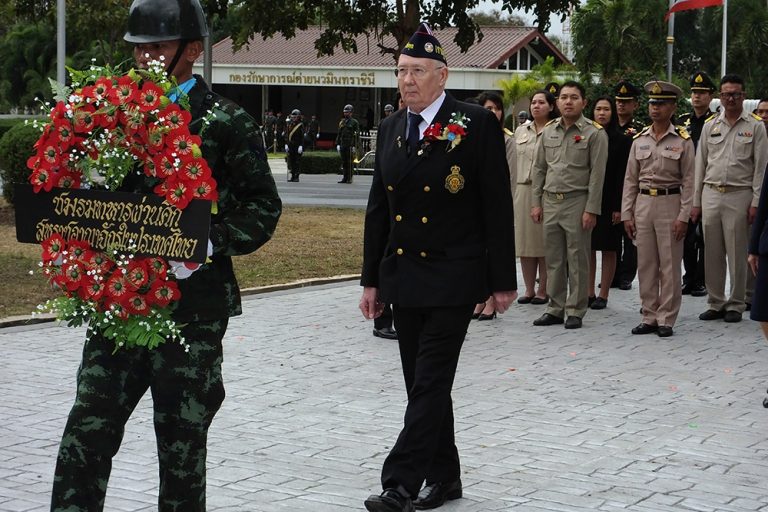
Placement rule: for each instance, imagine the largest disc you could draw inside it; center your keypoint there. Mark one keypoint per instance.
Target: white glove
(301, 149)
(338, 148)
(286, 148)
(184, 269)
(317, 136)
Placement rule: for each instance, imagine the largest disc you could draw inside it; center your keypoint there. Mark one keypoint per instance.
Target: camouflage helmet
(151, 21)
(295, 112)
(348, 108)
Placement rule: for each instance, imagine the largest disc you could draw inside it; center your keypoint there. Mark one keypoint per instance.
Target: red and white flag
(686, 5)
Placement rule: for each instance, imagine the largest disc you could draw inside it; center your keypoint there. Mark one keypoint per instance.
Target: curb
(22, 320)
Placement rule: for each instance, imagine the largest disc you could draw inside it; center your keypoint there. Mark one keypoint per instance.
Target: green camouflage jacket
(248, 204)
(348, 131)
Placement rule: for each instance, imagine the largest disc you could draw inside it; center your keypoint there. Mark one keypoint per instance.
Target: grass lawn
(309, 243)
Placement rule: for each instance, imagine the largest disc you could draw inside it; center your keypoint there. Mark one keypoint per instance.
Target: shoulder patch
(597, 125)
(555, 120)
(682, 132)
(710, 118)
(508, 131)
(642, 131)
(756, 116)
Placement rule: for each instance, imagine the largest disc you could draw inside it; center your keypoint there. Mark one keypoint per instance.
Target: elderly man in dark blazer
(439, 238)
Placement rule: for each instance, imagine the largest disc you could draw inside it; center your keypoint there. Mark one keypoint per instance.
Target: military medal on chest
(454, 181)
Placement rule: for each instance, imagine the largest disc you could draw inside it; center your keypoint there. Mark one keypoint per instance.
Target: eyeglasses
(416, 72)
(731, 95)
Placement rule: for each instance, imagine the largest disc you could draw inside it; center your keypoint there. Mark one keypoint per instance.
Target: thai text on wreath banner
(115, 220)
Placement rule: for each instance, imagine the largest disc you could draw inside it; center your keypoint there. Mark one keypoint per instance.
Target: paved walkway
(547, 419)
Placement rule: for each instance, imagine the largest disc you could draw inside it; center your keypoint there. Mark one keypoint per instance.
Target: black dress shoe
(387, 333)
(573, 322)
(540, 300)
(687, 289)
(749, 306)
(644, 328)
(732, 317)
(389, 501)
(698, 290)
(483, 316)
(590, 300)
(599, 303)
(664, 331)
(343, 181)
(625, 285)
(547, 319)
(524, 300)
(436, 494)
(711, 314)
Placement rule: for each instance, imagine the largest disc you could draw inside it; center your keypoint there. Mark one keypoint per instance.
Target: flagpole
(725, 38)
(670, 41)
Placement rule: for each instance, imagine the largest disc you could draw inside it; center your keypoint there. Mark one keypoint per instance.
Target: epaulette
(682, 132)
(555, 120)
(642, 131)
(597, 125)
(756, 116)
(710, 117)
(508, 131)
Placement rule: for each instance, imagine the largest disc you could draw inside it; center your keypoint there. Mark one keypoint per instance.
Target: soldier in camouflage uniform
(349, 129)
(187, 388)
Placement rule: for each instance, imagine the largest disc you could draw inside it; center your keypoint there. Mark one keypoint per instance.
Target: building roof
(498, 44)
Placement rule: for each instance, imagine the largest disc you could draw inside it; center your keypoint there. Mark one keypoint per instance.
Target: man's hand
(679, 228)
(751, 214)
(286, 148)
(338, 148)
(370, 304)
(629, 227)
(503, 300)
(588, 221)
(537, 214)
(695, 214)
(616, 218)
(752, 259)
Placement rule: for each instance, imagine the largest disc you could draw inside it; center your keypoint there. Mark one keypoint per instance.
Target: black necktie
(414, 134)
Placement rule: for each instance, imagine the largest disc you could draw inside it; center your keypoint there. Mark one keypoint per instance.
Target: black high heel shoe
(487, 317)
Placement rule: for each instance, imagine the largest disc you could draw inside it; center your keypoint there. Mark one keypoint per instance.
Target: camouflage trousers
(187, 391)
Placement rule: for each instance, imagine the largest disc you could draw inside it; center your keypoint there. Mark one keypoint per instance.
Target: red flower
(116, 285)
(149, 97)
(158, 267)
(195, 169)
(92, 288)
(124, 91)
(73, 274)
(181, 142)
(137, 274)
(99, 262)
(165, 166)
(135, 304)
(41, 179)
(53, 247)
(204, 189)
(155, 140)
(163, 292)
(179, 193)
(577, 138)
(84, 120)
(174, 117)
(78, 250)
(433, 132)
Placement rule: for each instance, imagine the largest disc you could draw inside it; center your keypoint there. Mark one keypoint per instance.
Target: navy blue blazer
(439, 228)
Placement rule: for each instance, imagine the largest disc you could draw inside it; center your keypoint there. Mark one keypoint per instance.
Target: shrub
(16, 146)
(320, 162)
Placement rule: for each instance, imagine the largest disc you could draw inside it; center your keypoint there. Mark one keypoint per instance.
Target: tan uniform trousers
(566, 251)
(659, 257)
(726, 233)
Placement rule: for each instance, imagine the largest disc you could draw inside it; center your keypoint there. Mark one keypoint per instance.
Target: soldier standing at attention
(346, 141)
(730, 164)
(702, 88)
(187, 387)
(626, 94)
(294, 144)
(656, 204)
(567, 179)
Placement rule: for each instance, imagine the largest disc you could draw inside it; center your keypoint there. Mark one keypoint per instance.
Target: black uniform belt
(659, 191)
(564, 195)
(726, 188)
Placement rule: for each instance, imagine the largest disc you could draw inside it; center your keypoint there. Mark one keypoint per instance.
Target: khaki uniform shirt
(732, 156)
(509, 147)
(525, 151)
(660, 164)
(571, 160)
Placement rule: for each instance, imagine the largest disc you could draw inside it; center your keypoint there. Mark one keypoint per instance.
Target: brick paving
(547, 419)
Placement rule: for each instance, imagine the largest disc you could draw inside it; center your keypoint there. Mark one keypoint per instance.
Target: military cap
(151, 21)
(625, 90)
(700, 81)
(424, 45)
(348, 108)
(659, 92)
(522, 114)
(389, 108)
(552, 88)
(296, 112)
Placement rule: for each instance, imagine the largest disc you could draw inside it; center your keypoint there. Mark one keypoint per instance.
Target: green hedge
(16, 146)
(320, 162)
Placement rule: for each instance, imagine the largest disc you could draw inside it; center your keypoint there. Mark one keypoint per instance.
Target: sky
(556, 28)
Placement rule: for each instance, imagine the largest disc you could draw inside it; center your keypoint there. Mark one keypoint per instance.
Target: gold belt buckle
(653, 192)
(559, 196)
(721, 189)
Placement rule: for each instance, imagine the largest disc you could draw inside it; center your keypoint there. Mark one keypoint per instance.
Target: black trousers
(626, 264)
(385, 320)
(346, 162)
(430, 341)
(693, 257)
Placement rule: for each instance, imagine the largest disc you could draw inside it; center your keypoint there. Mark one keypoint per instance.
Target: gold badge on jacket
(454, 181)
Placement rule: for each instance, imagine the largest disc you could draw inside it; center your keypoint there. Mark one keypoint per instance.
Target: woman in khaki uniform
(529, 237)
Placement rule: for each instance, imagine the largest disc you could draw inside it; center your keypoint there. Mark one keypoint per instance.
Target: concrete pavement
(320, 189)
(547, 419)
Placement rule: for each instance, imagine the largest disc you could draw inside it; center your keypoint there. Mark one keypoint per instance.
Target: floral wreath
(103, 127)
(453, 132)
